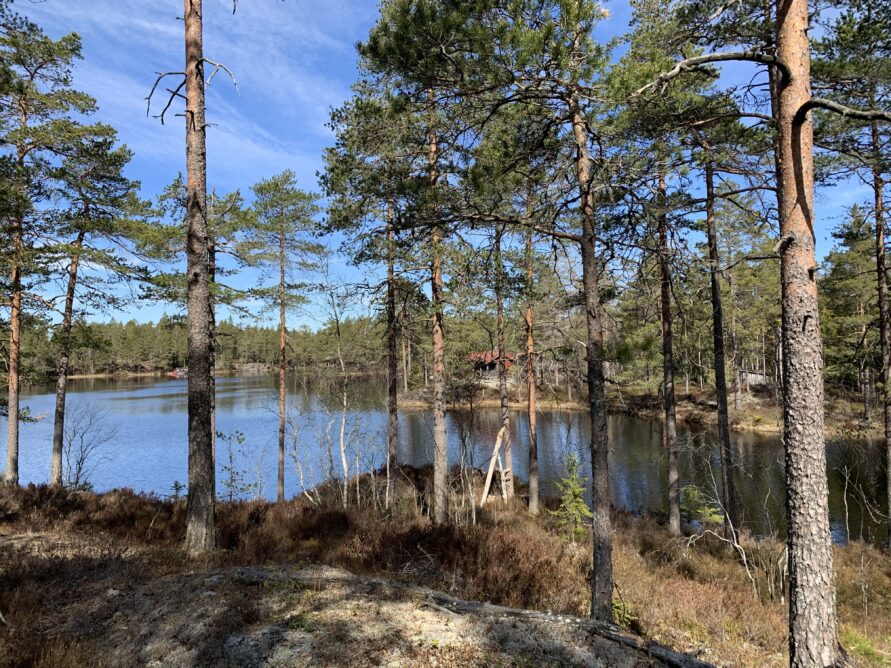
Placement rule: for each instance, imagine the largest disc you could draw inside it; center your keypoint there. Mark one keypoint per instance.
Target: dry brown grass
(693, 597)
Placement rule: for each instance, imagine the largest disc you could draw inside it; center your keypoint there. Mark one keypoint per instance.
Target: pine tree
(92, 182)
(853, 69)
(285, 217)
(573, 510)
(422, 44)
(368, 177)
(37, 113)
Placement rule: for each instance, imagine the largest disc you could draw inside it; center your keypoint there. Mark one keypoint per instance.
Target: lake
(147, 452)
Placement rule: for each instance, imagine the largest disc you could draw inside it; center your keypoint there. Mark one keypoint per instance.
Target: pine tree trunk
(15, 328)
(812, 618)
(530, 375)
(440, 460)
(282, 367)
(62, 370)
(392, 361)
(737, 389)
(878, 187)
(409, 351)
(404, 359)
(507, 474)
(729, 492)
(200, 523)
(212, 279)
(602, 548)
(15, 351)
(668, 394)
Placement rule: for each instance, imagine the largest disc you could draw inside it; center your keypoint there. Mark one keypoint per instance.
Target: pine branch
(217, 67)
(847, 112)
(696, 63)
(173, 93)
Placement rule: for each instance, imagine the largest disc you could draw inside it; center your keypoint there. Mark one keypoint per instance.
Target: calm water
(148, 449)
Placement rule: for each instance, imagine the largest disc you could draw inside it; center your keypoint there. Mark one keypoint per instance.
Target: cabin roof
(490, 357)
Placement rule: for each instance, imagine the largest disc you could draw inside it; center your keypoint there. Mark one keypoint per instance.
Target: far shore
(757, 415)
(116, 374)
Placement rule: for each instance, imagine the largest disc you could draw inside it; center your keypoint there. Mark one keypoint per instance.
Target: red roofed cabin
(486, 364)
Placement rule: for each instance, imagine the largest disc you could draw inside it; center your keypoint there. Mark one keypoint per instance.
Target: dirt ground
(289, 616)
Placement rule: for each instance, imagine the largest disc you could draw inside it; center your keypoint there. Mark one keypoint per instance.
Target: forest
(519, 210)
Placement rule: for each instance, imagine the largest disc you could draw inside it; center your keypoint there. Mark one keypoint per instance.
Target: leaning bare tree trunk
(282, 367)
(530, 377)
(64, 357)
(668, 396)
(729, 492)
(200, 523)
(884, 305)
(602, 548)
(440, 461)
(508, 472)
(392, 361)
(812, 618)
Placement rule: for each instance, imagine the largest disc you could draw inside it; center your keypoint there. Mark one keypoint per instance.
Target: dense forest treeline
(138, 347)
(848, 299)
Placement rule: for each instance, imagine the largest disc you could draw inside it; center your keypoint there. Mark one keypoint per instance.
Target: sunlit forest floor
(86, 578)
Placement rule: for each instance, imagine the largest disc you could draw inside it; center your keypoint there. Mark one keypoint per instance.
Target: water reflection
(149, 451)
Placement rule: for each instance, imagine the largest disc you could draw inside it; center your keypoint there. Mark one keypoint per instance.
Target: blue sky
(294, 61)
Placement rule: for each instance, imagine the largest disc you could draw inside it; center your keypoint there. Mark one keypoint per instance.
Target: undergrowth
(693, 595)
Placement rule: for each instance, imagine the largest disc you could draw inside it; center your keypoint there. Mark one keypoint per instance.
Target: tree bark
(64, 357)
(812, 617)
(15, 351)
(15, 325)
(440, 459)
(530, 375)
(668, 394)
(200, 520)
(404, 359)
(508, 472)
(212, 280)
(729, 492)
(884, 305)
(282, 367)
(392, 361)
(602, 548)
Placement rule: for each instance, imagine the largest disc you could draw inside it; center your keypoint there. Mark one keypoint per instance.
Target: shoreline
(755, 417)
(115, 375)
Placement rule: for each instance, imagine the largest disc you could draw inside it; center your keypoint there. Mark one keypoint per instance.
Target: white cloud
(294, 60)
